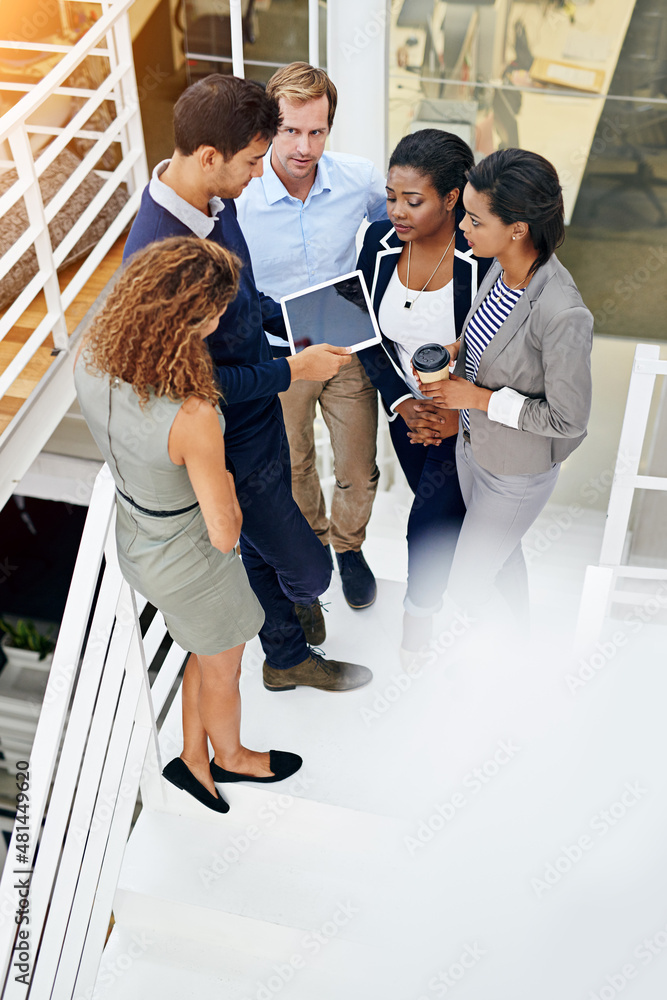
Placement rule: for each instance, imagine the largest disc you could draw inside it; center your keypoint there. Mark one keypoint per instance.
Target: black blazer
(378, 260)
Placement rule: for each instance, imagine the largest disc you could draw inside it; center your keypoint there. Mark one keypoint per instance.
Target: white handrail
(55, 77)
(108, 39)
(110, 729)
(599, 590)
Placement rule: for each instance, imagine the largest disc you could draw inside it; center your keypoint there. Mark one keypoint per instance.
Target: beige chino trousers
(349, 406)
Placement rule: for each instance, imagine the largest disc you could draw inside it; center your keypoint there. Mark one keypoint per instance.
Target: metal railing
(113, 85)
(63, 863)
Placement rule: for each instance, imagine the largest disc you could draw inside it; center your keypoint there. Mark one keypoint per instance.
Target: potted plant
(25, 646)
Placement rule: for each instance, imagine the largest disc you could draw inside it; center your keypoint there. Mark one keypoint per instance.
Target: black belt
(466, 436)
(158, 513)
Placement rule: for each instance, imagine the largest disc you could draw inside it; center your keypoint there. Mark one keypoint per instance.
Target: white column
(314, 32)
(357, 44)
(236, 23)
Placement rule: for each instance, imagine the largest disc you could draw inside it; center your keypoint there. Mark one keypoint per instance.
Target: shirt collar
(275, 190)
(201, 225)
(322, 180)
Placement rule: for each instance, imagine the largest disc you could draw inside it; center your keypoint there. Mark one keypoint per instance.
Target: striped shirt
(483, 327)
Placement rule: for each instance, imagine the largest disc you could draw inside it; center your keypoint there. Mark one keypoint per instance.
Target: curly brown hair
(148, 332)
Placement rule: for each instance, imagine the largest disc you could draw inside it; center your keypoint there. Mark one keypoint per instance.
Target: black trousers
(435, 519)
(285, 561)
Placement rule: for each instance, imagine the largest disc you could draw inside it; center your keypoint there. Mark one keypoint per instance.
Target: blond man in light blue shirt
(300, 220)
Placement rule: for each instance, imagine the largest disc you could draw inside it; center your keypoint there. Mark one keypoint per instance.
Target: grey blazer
(543, 351)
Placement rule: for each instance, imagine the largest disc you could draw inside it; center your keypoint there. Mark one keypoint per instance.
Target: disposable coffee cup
(431, 361)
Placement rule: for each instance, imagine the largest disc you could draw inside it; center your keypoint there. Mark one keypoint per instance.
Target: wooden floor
(22, 386)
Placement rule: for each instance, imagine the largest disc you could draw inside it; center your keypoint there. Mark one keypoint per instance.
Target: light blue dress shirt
(295, 244)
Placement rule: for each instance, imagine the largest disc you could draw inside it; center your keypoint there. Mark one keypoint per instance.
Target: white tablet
(337, 312)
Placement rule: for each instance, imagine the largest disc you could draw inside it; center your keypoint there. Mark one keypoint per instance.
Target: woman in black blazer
(423, 278)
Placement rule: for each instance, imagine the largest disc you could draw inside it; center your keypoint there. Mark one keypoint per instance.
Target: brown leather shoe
(315, 671)
(311, 621)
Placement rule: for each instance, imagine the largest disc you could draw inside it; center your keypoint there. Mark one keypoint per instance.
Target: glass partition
(275, 33)
(584, 84)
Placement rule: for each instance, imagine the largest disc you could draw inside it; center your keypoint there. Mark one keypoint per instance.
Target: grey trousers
(499, 511)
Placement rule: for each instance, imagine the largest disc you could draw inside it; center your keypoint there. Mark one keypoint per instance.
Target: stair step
(347, 761)
(137, 964)
(316, 871)
(293, 867)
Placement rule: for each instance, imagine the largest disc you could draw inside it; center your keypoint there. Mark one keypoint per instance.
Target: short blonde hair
(299, 82)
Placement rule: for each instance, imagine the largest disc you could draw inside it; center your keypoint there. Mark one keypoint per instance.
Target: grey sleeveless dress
(203, 593)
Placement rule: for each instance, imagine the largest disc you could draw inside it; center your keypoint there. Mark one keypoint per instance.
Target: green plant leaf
(25, 635)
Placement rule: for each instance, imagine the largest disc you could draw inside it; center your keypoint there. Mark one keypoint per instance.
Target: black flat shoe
(281, 762)
(179, 774)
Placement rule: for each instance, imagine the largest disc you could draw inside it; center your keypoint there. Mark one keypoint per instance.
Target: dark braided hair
(524, 187)
(440, 156)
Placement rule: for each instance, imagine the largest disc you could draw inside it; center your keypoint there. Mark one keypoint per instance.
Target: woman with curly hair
(146, 387)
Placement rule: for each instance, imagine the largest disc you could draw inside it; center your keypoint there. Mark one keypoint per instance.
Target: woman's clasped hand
(425, 421)
(455, 393)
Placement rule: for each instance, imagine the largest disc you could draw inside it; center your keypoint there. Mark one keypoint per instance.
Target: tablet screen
(336, 312)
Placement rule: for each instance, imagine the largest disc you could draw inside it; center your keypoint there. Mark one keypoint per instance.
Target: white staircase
(94, 78)
(492, 823)
(484, 827)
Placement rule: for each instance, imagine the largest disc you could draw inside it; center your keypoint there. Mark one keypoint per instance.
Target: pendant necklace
(499, 295)
(408, 304)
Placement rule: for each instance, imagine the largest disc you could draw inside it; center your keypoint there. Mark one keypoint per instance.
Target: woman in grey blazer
(522, 380)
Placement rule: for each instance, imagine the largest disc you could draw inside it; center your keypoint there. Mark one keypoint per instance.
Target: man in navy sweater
(223, 127)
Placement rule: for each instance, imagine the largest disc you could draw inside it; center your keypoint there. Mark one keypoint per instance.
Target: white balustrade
(599, 591)
(98, 695)
(109, 41)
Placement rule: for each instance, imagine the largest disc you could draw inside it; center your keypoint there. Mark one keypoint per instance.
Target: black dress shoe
(356, 576)
(179, 774)
(281, 762)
